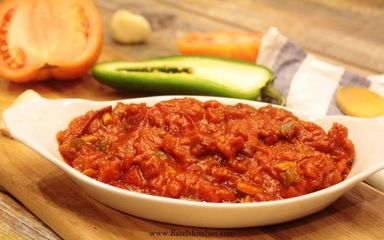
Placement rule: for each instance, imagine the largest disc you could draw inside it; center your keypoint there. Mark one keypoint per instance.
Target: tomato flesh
(48, 39)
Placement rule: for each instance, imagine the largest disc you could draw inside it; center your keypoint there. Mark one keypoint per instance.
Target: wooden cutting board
(72, 214)
(65, 208)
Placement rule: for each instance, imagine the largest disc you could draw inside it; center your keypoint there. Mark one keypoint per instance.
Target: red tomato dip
(207, 151)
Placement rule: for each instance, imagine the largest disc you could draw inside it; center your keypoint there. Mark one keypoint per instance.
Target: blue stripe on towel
(287, 63)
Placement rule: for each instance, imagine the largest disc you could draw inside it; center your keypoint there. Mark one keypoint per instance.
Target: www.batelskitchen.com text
(195, 233)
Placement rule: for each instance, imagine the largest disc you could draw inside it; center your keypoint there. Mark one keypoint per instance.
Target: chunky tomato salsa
(207, 151)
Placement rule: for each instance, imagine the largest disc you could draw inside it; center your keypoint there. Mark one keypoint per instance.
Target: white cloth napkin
(310, 84)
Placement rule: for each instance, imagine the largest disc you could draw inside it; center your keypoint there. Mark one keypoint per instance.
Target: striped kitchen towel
(308, 83)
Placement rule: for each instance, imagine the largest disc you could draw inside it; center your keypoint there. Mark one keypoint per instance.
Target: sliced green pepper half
(196, 75)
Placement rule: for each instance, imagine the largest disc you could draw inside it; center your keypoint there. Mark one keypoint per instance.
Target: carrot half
(236, 45)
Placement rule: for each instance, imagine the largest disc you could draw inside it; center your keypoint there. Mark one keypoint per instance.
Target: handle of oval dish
(36, 121)
(23, 97)
(32, 121)
(370, 140)
(377, 180)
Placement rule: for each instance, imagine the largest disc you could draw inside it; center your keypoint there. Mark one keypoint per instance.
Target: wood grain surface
(19, 223)
(348, 33)
(349, 30)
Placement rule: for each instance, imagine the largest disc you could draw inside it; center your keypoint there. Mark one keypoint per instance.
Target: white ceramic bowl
(36, 122)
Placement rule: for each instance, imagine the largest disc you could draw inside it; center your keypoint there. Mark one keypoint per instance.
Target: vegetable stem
(269, 92)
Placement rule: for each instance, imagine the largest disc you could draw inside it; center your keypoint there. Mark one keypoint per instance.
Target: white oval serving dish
(37, 121)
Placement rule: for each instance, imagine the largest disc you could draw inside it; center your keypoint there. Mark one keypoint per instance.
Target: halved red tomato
(44, 39)
(237, 45)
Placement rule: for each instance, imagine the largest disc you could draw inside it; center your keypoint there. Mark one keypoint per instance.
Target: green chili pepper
(196, 75)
